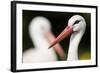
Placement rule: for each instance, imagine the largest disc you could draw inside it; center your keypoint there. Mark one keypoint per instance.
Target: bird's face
(75, 24)
(39, 26)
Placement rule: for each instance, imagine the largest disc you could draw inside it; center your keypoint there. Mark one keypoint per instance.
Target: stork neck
(73, 47)
(40, 42)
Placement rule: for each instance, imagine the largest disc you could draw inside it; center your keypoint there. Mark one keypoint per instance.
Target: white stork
(41, 35)
(76, 28)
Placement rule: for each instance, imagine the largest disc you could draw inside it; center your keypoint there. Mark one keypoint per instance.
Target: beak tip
(49, 47)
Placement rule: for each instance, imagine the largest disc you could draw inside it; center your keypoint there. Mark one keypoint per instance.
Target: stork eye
(76, 22)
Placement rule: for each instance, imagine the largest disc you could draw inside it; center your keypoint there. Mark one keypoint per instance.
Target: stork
(76, 28)
(41, 36)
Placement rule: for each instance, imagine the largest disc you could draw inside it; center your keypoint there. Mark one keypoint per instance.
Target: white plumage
(78, 31)
(37, 28)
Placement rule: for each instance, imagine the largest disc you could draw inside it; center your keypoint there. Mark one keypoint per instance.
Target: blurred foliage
(85, 56)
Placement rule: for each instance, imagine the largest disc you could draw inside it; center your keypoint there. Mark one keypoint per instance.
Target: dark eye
(76, 22)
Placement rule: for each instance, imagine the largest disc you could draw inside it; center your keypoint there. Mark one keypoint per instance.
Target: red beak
(65, 33)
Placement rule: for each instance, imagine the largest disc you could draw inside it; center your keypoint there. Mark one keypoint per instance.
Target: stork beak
(65, 33)
(59, 50)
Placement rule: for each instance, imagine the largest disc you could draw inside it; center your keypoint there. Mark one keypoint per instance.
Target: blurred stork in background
(41, 36)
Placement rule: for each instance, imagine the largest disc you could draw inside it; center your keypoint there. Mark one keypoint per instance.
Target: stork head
(38, 26)
(76, 24)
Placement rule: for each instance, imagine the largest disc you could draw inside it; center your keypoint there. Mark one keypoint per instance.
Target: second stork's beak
(65, 33)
